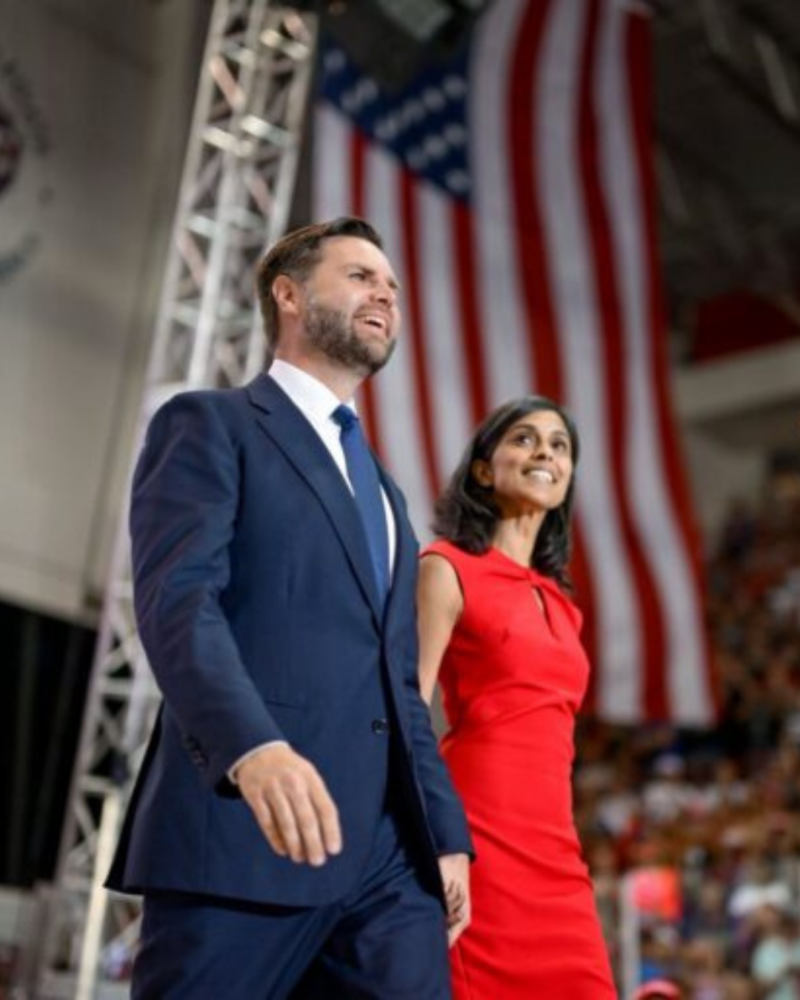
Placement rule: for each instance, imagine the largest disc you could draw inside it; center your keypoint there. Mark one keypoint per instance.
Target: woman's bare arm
(439, 606)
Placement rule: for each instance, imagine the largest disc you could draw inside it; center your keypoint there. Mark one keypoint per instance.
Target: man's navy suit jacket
(258, 611)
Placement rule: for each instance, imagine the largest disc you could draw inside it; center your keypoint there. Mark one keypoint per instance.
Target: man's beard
(329, 331)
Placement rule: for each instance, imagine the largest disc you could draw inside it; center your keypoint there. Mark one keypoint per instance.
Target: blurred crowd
(703, 829)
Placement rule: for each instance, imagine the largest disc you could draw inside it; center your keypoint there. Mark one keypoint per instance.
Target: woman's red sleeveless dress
(512, 679)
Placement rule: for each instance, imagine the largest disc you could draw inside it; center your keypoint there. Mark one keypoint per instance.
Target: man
(293, 828)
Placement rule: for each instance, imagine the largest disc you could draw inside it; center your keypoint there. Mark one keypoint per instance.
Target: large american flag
(513, 188)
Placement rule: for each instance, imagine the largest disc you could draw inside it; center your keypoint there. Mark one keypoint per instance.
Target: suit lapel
(293, 434)
(405, 553)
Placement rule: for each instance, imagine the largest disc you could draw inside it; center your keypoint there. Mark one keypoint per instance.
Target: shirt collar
(308, 394)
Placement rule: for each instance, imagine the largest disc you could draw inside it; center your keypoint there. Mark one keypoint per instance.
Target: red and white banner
(513, 188)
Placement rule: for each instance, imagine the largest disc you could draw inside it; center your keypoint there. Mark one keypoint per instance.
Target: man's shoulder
(210, 401)
(210, 415)
(215, 398)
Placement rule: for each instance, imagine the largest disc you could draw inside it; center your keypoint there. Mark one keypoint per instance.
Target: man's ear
(481, 472)
(286, 293)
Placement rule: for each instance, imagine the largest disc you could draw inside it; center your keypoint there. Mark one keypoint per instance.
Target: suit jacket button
(380, 726)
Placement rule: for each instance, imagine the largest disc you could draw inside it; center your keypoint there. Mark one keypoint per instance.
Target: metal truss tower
(235, 195)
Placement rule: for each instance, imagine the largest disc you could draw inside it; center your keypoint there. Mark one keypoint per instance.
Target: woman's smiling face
(531, 467)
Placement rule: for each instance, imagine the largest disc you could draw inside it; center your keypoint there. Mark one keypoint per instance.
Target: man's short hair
(296, 255)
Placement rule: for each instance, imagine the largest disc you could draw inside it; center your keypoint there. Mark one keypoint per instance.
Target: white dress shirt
(316, 402)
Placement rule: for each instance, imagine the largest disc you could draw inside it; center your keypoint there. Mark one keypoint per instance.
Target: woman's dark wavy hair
(466, 514)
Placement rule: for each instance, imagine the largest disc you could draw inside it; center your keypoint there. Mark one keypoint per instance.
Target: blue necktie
(367, 489)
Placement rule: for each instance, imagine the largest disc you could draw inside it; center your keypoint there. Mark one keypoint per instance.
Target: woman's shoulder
(449, 551)
(469, 567)
(439, 547)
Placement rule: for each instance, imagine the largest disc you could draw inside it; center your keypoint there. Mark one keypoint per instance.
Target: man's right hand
(291, 804)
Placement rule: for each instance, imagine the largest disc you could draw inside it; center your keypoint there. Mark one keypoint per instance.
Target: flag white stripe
(394, 389)
(331, 171)
(580, 337)
(452, 421)
(660, 535)
(504, 326)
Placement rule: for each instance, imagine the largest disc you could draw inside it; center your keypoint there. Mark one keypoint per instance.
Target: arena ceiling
(727, 96)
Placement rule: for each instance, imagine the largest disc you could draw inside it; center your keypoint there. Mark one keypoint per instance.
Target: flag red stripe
(416, 327)
(468, 282)
(614, 373)
(639, 67)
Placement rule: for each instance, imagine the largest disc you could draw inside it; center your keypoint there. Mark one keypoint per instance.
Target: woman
(500, 633)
